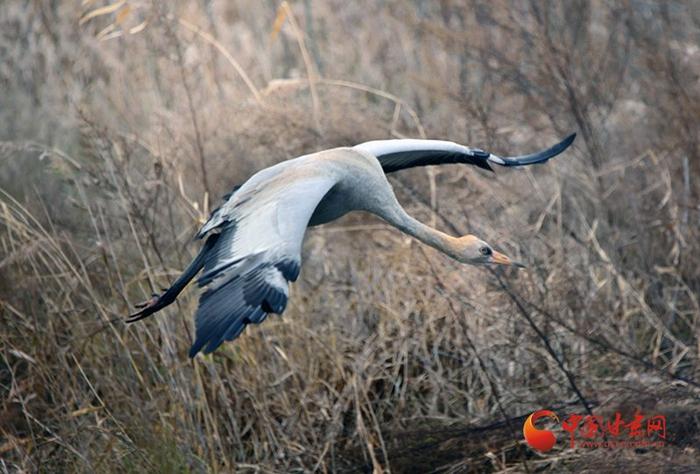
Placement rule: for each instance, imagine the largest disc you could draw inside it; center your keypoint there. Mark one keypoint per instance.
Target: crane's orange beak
(501, 259)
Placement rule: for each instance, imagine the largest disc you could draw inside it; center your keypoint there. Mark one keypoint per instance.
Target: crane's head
(475, 251)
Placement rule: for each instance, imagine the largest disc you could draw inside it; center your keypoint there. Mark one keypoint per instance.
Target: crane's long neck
(399, 218)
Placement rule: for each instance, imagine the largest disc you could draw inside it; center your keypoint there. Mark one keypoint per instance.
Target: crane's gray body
(364, 188)
(259, 233)
(357, 183)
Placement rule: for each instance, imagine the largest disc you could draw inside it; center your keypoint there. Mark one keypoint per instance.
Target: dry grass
(123, 126)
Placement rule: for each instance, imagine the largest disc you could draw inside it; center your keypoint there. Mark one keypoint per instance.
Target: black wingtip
(568, 140)
(538, 157)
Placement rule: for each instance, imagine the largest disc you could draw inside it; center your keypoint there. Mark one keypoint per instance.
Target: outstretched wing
(258, 252)
(395, 155)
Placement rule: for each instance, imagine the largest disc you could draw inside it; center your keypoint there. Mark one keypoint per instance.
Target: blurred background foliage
(124, 122)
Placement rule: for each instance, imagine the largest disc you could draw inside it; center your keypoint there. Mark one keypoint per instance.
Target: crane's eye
(485, 251)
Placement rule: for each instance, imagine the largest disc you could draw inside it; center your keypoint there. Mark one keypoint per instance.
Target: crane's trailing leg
(158, 302)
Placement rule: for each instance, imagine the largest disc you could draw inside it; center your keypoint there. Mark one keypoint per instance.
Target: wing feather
(258, 252)
(395, 155)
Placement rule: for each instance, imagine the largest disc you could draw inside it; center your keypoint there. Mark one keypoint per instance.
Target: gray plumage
(254, 239)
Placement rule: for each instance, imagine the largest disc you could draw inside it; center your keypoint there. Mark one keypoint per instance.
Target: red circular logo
(541, 440)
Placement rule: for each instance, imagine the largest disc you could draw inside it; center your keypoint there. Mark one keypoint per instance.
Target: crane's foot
(146, 308)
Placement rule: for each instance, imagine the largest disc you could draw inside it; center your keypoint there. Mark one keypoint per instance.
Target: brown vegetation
(122, 126)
